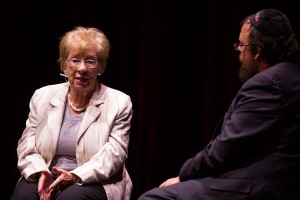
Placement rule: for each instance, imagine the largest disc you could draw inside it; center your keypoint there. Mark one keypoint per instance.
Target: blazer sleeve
(30, 160)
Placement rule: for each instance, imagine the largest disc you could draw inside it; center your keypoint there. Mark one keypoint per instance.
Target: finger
(43, 195)
(163, 184)
(53, 193)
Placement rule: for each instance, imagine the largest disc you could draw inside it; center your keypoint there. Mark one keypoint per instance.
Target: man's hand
(170, 181)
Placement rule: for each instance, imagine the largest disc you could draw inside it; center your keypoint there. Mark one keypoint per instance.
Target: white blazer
(102, 141)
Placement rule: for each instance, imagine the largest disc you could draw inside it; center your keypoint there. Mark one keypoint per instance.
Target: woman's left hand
(63, 180)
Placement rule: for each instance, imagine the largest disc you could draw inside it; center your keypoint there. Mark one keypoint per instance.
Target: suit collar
(58, 102)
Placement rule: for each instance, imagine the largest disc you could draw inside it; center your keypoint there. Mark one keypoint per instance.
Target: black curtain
(175, 59)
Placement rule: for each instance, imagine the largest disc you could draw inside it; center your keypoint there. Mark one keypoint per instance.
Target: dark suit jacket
(256, 152)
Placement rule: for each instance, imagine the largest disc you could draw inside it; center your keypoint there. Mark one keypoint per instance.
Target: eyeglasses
(238, 45)
(89, 63)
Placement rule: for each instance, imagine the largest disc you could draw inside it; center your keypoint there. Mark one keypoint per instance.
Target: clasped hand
(49, 188)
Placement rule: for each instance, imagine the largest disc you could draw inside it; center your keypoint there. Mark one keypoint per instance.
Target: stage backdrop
(175, 59)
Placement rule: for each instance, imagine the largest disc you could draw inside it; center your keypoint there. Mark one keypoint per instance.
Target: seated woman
(75, 142)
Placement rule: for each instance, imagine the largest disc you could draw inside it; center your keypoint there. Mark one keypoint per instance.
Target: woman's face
(82, 70)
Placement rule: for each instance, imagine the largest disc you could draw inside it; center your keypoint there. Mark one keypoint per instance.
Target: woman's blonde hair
(81, 39)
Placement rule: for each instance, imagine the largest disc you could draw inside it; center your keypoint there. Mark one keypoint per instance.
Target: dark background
(174, 58)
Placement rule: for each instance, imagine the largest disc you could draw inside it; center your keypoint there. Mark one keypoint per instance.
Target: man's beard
(247, 71)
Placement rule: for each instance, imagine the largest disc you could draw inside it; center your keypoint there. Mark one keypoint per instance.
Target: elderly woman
(75, 142)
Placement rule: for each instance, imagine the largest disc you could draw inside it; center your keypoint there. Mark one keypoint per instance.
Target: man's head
(266, 38)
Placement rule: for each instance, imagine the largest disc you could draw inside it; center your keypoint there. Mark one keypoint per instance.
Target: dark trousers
(25, 190)
(194, 190)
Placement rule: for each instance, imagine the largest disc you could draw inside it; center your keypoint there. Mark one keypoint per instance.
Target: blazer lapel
(93, 110)
(56, 113)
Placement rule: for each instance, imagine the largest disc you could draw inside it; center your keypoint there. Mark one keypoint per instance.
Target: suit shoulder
(50, 88)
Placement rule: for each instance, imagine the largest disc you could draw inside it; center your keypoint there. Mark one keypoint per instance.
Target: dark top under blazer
(256, 153)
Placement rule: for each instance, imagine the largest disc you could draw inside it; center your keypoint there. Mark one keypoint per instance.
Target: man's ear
(258, 56)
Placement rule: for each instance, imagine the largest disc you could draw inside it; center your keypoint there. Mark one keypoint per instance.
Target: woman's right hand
(45, 181)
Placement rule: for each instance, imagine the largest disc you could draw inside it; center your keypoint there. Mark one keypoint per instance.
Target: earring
(65, 75)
